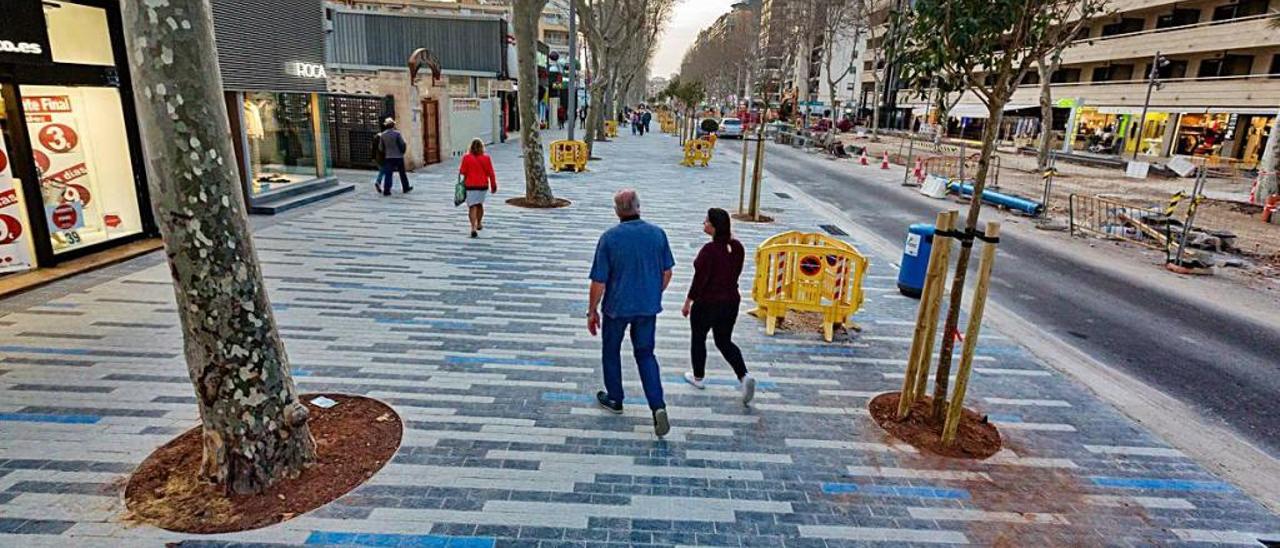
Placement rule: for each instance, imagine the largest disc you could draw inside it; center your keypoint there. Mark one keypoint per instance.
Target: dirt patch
(529, 204)
(975, 439)
(354, 439)
(811, 322)
(748, 219)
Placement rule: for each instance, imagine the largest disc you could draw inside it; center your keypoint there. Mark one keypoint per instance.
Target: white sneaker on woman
(695, 381)
(748, 389)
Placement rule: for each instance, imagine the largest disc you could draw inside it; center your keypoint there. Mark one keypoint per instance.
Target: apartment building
(1219, 92)
(775, 71)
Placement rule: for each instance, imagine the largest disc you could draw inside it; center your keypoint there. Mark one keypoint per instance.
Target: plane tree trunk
(254, 427)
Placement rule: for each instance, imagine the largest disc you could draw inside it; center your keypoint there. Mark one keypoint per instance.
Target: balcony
(1236, 34)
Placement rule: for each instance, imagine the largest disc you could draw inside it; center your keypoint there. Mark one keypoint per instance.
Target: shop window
(281, 130)
(1275, 66)
(1180, 17)
(1065, 76)
(1124, 26)
(78, 34)
(1227, 65)
(82, 156)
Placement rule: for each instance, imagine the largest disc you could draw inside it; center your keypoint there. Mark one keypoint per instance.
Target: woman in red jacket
(478, 177)
(712, 303)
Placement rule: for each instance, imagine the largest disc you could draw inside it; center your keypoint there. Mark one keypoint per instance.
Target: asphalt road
(1225, 365)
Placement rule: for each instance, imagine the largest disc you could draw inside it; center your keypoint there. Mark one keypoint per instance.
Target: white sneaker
(695, 381)
(748, 389)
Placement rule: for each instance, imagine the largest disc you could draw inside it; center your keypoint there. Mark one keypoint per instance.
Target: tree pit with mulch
(748, 219)
(354, 439)
(555, 203)
(975, 439)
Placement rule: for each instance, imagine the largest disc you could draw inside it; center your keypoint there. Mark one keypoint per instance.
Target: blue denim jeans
(643, 333)
(390, 167)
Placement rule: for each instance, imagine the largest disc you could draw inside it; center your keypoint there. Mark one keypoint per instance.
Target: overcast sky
(690, 17)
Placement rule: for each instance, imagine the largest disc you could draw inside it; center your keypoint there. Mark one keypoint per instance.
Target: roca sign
(307, 70)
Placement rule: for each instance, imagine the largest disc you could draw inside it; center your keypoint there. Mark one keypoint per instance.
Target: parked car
(730, 128)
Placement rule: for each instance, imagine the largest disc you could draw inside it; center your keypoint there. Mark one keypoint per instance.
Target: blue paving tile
(46, 350)
(895, 491)
(1000, 417)
(342, 538)
(561, 396)
(1162, 484)
(46, 417)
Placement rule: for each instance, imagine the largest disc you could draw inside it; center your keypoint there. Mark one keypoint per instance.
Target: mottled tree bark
(525, 15)
(255, 429)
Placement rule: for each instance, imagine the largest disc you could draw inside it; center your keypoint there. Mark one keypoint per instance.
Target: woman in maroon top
(712, 304)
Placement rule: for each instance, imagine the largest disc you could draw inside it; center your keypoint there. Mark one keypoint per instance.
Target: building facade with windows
(1219, 86)
(368, 51)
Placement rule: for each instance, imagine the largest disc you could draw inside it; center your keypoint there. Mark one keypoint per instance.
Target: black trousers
(719, 319)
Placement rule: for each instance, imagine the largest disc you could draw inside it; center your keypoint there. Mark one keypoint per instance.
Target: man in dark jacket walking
(393, 149)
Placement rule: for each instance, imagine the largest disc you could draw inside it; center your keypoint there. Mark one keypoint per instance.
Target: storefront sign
(307, 70)
(23, 37)
(15, 255)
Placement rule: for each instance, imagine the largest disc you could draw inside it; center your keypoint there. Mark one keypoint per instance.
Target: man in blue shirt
(632, 268)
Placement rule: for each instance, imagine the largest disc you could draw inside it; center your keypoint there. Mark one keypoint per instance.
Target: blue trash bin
(915, 260)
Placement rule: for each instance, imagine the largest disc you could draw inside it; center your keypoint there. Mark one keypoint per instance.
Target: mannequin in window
(254, 131)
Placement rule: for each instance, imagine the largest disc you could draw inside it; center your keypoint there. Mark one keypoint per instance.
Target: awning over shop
(981, 111)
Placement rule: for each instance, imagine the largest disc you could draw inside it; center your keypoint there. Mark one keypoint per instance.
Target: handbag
(460, 191)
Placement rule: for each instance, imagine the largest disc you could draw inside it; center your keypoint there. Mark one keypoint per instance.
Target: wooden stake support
(918, 362)
(976, 309)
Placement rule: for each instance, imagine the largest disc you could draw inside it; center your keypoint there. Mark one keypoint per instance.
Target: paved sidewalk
(481, 346)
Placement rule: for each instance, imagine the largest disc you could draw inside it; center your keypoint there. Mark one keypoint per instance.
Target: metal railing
(1113, 219)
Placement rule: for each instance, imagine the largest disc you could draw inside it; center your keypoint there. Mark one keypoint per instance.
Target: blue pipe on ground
(1010, 201)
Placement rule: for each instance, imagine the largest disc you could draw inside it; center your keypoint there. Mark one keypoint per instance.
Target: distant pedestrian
(478, 178)
(646, 117)
(632, 268)
(393, 149)
(562, 115)
(635, 122)
(712, 302)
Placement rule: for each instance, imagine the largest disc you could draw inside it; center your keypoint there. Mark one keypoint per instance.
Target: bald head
(626, 203)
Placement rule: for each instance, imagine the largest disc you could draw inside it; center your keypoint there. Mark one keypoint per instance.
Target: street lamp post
(1153, 82)
(573, 67)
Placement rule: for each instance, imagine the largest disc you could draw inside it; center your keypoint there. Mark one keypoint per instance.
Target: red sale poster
(65, 178)
(15, 255)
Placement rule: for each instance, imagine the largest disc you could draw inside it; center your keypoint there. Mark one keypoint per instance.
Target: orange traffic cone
(863, 159)
(884, 162)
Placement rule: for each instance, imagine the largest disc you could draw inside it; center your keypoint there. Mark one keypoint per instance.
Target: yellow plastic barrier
(712, 139)
(808, 273)
(610, 128)
(569, 155)
(668, 126)
(695, 151)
